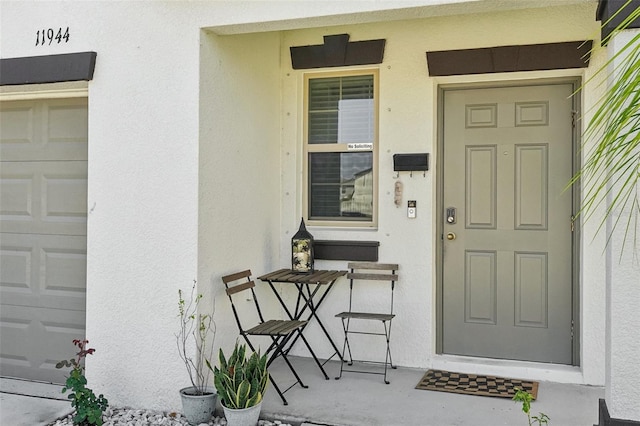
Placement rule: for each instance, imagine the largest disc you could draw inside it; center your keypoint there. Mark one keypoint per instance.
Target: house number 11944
(50, 35)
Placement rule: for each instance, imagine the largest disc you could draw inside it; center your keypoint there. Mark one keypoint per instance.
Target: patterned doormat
(473, 384)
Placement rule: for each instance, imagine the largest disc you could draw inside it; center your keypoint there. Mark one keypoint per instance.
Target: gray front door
(507, 237)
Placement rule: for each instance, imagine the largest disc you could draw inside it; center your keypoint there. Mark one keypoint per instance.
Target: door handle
(451, 236)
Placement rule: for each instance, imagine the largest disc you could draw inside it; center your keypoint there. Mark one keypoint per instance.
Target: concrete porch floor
(365, 400)
(354, 400)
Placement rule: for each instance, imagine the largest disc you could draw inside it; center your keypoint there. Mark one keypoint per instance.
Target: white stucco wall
(143, 181)
(195, 167)
(623, 298)
(239, 167)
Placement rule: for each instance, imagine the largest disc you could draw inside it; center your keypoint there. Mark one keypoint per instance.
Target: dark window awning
(337, 51)
(47, 69)
(531, 57)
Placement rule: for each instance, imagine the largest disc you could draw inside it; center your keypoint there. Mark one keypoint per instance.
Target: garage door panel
(66, 126)
(43, 247)
(44, 197)
(16, 191)
(15, 268)
(43, 270)
(52, 129)
(22, 356)
(16, 123)
(65, 196)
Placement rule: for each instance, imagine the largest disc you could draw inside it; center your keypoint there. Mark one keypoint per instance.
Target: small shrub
(88, 406)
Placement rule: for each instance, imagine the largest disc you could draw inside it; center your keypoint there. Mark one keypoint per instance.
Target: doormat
(473, 384)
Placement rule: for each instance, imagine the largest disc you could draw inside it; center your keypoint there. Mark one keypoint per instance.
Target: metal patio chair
(279, 331)
(364, 275)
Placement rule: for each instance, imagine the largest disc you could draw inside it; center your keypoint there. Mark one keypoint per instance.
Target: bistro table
(308, 300)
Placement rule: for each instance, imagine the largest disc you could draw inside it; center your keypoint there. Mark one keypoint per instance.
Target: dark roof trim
(608, 8)
(47, 69)
(337, 51)
(532, 57)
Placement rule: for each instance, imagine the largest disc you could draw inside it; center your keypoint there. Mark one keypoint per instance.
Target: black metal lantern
(302, 250)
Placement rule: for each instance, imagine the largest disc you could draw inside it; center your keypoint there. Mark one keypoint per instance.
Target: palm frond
(610, 174)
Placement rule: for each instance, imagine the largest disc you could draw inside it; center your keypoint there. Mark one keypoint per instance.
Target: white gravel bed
(133, 417)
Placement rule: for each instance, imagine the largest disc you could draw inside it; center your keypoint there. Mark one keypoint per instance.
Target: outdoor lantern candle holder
(302, 250)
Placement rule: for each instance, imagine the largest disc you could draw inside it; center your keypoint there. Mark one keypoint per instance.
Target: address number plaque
(48, 36)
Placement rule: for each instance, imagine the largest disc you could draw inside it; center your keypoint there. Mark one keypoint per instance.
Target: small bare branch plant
(200, 328)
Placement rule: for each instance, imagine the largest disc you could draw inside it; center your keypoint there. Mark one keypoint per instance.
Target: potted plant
(241, 382)
(199, 399)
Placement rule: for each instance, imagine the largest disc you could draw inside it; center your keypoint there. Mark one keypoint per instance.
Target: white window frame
(339, 148)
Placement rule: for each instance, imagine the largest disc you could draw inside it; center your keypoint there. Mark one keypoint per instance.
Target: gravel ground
(132, 417)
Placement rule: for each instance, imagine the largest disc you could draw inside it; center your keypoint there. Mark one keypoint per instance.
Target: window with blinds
(340, 147)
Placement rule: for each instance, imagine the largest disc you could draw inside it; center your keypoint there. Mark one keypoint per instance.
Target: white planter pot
(198, 408)
(242, 417)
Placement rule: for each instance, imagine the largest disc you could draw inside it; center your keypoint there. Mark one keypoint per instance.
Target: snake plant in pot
(240, 382)
(195, 350)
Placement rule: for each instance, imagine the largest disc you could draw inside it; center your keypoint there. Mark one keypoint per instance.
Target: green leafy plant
(241, 382)
(199, 327)
(88, 406)
(610, 174)
(526, 398)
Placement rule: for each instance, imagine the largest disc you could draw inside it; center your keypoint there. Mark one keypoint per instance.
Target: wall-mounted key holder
(411, 163)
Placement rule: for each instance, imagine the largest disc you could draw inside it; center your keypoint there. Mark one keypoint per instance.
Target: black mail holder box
(410, 162)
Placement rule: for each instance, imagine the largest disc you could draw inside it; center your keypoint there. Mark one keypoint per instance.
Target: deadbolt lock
(451, 215)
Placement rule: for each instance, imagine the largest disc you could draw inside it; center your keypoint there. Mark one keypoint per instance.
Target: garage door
(43, 225)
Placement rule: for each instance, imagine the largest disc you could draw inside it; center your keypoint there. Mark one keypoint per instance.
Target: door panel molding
(532, 114)
(481, 184)
(479, 275)
(531, 273)
(531, 187)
